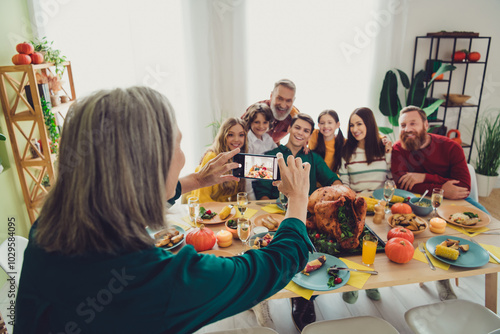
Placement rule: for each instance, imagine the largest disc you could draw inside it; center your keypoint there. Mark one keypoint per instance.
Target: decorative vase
(55, 100)
(485, 184)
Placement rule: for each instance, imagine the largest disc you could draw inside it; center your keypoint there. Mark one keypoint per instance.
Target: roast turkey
(337, 211)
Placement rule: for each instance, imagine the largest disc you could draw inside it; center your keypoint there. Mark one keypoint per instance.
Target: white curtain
(213, 58)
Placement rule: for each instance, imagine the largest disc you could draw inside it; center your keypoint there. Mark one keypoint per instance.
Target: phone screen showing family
(258, 167)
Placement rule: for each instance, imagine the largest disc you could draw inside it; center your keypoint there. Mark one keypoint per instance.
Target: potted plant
(415, 94)
(50, 54)
(487, 143)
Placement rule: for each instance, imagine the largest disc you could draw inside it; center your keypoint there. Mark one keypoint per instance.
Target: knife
(352, 269)
(491, 254)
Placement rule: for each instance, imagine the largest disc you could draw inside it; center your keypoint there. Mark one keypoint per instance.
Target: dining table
(389, 273)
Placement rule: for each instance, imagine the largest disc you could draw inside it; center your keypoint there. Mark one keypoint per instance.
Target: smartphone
(256, 167)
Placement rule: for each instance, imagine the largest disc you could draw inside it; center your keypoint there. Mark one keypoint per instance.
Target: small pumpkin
(459, 55)
(474, 56)
(25, 48)
(400, 232)
(201, 238)
(399, 250)
(401, 208)
(21, 59)
(36, 58)
(439, 77)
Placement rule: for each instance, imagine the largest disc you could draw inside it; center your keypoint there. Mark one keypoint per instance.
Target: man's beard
(279, 116)
(413, 144)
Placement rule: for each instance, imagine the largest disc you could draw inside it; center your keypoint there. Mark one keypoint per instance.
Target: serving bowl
(457, 99)
(234, 231)
(419, 220)
(420, 210)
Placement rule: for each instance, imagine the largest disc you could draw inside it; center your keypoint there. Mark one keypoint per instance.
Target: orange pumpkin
(201, 238)
(25, 48)
(36, 58)
(439, 77)
(399, 250)
(401, 232)
(401, 208)
(21, 59)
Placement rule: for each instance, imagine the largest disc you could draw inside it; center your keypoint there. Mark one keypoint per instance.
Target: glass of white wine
(244, 229)
(436, 199)
(389, 188)
(242, 202)
(194, 209)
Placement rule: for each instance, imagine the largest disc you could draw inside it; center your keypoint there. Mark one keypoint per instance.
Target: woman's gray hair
(115, 152)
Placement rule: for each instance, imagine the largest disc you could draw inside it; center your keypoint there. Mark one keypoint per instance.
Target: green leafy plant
(51, 55)
(50, 123)
(415, 94)
(487, 143)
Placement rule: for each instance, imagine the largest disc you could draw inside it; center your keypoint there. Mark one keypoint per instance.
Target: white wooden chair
(364, 324)
(452, 316)
(473, 183)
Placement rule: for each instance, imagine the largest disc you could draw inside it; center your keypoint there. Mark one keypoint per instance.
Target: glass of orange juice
(369, 249)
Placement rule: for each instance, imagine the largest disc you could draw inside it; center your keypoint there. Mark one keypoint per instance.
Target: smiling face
(235, 137)
(300, 131)
(282, 102)
(413, 130)
(259, 126)
(328, 126)
(357, 128)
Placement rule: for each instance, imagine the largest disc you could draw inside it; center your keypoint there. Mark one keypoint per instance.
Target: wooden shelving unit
(25, 123)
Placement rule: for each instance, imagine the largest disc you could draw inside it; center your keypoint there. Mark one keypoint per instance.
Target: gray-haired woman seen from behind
(90, 265)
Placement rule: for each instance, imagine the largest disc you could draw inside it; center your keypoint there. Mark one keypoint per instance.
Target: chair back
(12, 266)
(364, 324)
(452, 316)
(251, 330)
(473, 183)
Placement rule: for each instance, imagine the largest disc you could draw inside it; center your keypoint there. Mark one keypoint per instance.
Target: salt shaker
(379, 212)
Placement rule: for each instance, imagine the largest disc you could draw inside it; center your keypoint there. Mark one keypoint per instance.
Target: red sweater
(441, 161)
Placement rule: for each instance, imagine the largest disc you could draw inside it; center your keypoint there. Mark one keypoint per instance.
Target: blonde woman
(231, 135)
(90, 265)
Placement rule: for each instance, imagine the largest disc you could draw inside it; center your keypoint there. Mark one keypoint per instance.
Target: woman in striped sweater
(366, 161)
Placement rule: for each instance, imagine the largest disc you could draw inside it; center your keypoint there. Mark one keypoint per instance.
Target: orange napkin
(418, 255)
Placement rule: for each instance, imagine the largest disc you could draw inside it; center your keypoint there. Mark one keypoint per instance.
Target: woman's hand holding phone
(295, 185)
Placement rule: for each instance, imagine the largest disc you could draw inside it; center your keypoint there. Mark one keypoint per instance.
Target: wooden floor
(392, 307)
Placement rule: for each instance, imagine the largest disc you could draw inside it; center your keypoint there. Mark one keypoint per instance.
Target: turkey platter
(336, 211)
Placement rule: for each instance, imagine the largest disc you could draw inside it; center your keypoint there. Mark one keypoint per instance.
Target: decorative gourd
(401, 232)
(224, 238)
(401, 208)
(36, 58)
(201, 238)
(21, 59)
(399, 250)
(25, 48)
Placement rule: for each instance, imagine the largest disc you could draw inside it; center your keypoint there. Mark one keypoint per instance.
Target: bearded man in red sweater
(422, 161)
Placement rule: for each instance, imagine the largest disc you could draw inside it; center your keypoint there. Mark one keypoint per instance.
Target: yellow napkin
(187, 220)
(184, 226)
(418, 255)
(357, 280)
(470, 232)
(272, 208)
(248, 214)
(303, 292)
(493, 249)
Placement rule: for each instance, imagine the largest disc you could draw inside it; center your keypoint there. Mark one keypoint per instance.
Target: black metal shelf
(434, 56)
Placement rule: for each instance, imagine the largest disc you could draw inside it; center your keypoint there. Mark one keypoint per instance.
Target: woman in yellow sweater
(231, 135)
(325, 143)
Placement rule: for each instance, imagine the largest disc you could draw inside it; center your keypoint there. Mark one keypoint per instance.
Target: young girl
(258, 119)
(365, 166)
(366, 161)
(231, 135)
(325, 143)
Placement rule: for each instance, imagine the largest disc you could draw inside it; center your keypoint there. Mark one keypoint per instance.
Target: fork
(422, 249)
(490, 253)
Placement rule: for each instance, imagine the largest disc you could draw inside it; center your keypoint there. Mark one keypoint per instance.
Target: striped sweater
(360, 176)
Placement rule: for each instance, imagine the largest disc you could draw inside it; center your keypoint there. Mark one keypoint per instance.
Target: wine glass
(389, 188)
(436, 199)
(242, 202)
(283, 200)
(194, 209)
(244, 228)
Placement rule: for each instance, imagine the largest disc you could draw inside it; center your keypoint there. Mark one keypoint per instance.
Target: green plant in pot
(487, 143)
(415, 94)
(50, 54)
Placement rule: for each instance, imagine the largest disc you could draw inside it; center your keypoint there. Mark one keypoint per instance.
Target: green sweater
(151, 291)
(320, 173)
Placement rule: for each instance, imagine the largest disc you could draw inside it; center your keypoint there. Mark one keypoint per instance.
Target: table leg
(490, 291)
